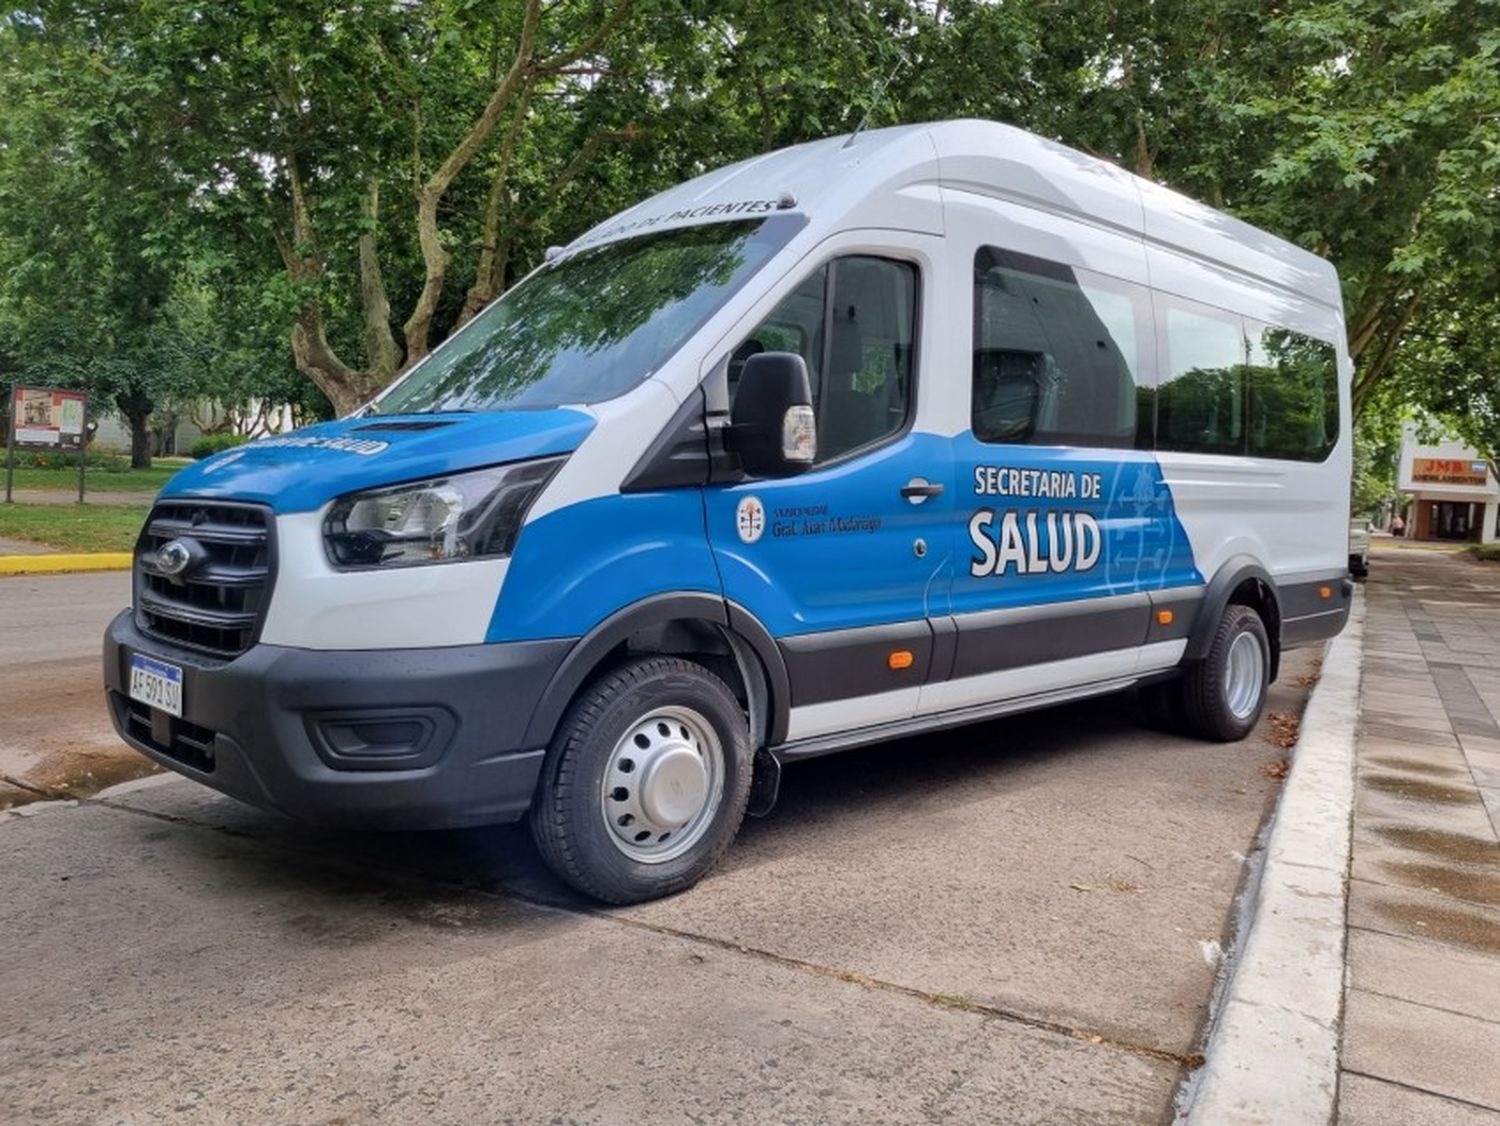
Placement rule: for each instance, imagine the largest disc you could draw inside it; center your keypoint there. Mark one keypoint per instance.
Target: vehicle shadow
(850, 791)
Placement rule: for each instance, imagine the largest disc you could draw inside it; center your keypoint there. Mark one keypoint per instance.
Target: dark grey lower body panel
(842, 664)
(380, 739)
(1314, 609)
(849, 663)
(1313, 628)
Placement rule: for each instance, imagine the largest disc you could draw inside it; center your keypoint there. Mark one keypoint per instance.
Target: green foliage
(210, 444)
(182, 185)
(100, 461)
(1487, 552)
(1377, 451)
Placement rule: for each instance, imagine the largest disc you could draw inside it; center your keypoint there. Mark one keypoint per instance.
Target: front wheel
(645, 784)
(1223, 694)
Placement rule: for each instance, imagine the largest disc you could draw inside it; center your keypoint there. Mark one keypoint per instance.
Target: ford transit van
(867, 437)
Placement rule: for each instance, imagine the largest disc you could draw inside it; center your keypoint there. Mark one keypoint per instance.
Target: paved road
(54, 735)
(91, 496)
(1016, 922)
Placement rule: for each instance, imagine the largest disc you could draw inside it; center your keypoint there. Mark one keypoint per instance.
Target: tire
(624, 767)
(1222, 695)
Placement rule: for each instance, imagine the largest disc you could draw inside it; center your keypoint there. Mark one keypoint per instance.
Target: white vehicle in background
(869, 437)
(1359, 547)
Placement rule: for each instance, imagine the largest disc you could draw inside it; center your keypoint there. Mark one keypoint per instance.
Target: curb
(1273, 1051)
(59, 563)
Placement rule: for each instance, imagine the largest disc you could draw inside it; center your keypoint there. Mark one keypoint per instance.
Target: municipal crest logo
(750, 519)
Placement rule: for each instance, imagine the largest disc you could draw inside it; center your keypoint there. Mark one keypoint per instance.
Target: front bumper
(374, 739)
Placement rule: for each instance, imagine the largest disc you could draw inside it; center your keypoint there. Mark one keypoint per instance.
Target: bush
(1488, 551)
(106, 460)
(211, 444)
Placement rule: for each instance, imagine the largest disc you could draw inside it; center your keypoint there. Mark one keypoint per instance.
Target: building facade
(1454, 494)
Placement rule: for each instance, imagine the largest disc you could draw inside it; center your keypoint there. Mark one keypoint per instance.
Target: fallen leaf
(1284, 729)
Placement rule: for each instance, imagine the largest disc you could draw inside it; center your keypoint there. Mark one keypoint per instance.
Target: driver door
(840, 562)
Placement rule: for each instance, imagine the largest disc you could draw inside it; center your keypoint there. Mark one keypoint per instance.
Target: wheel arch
(1242, 580)
(722, 635)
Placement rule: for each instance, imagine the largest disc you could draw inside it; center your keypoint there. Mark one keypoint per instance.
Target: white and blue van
(867, 437)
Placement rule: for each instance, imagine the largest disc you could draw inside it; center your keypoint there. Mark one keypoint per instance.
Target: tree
(384, 168)
(316, 119)
(85, 234)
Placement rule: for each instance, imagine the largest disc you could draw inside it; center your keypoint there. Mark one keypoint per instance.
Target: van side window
(1294, 394)
(1056, 353)
(854, 323)
(1200, 401)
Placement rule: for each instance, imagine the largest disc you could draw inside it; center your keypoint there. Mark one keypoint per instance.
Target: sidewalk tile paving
(1421, 1032)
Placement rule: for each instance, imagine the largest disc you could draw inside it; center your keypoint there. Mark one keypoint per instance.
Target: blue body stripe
(303, 470)
(574, 567)
(836, 545)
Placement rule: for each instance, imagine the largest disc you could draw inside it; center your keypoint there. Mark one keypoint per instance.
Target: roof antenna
(901, 62)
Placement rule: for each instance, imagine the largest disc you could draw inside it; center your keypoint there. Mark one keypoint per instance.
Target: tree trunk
(492, 257)
(137, 412)
(494, 254)
(435, 257)
(346, 388)
(382, 354)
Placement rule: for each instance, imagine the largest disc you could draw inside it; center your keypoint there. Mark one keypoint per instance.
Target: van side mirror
(772, 427)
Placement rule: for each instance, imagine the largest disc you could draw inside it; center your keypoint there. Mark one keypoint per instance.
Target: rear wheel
(1224, 694)
(645, 784)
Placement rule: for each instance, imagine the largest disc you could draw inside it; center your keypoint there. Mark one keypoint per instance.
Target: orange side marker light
(900, 659)
(1325, 592)
(1164, 617)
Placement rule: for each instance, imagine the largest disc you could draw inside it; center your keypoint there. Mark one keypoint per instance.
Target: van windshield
(594, 325)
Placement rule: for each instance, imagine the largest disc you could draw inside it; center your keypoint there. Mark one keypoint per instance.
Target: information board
(45, 418)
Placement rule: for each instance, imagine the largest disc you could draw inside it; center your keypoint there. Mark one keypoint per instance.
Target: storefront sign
(48, 419)
(1449, 471)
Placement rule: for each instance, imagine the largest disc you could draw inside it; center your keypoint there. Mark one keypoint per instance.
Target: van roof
(827, 179)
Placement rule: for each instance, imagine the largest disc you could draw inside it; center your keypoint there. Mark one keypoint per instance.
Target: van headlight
(463, 516)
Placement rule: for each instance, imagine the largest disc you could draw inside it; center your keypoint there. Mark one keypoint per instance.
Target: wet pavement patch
(1404, 734)
(1435, 842)
(1417, 789)
(1461, 882)
(1418, 766)
(12, 797)
(83, 774)
(1442, 924)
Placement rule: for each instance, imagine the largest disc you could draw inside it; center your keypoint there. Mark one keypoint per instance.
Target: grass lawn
(98, 480)
(73, 527)
(1486, 551)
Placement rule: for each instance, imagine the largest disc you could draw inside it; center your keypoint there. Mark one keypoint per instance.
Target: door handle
(919, 489)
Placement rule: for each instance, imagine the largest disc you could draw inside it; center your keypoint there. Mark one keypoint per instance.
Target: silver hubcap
(663, 784)
(1244, 676)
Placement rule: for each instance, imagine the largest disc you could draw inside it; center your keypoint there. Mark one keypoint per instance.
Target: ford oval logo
(174, 557)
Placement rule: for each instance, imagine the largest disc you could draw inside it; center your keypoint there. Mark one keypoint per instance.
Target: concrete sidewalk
(1421, 1030)
(70, 496)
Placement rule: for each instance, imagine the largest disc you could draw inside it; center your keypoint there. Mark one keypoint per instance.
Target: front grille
(218, 604)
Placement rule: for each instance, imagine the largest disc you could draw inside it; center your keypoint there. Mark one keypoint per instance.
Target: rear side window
(1293, 394)
(1200, 400)
(1057, 352)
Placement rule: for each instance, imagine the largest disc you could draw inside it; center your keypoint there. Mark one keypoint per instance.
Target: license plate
(156, 683)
